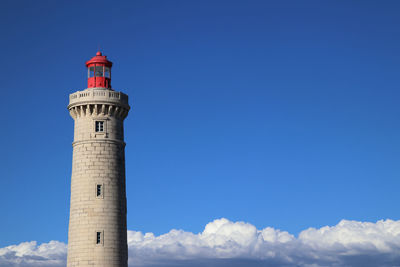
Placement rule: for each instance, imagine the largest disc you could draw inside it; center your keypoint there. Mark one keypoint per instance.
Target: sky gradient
(281, 114)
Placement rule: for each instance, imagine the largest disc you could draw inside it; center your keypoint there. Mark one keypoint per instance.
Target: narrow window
(98, 237)
(99, 126)
(99, 192)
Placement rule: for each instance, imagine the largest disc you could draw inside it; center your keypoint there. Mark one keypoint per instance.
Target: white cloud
(226, 243)
(30, 254)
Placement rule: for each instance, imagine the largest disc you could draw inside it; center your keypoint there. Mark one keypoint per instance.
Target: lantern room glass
(99, 71)
(91, 72)
(107, 72)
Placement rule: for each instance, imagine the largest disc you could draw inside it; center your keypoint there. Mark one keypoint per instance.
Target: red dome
(99, 59)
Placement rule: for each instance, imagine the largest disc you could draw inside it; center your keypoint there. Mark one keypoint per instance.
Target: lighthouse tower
(97, 223)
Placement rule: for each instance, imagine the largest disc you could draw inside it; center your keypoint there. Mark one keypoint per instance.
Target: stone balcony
(98, 95)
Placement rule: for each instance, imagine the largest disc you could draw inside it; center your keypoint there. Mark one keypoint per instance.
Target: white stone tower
(97, 234)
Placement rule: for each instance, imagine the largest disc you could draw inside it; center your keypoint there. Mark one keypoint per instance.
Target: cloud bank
(225, 243)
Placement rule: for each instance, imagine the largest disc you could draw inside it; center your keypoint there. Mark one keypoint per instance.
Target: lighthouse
(97, 233)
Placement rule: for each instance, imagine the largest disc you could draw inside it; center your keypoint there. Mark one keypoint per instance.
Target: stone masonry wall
(98, 159)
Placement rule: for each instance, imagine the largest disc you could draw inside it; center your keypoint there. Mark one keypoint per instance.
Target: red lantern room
(99, 71)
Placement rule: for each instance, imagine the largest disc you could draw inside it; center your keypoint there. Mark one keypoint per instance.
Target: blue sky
(282, 114)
